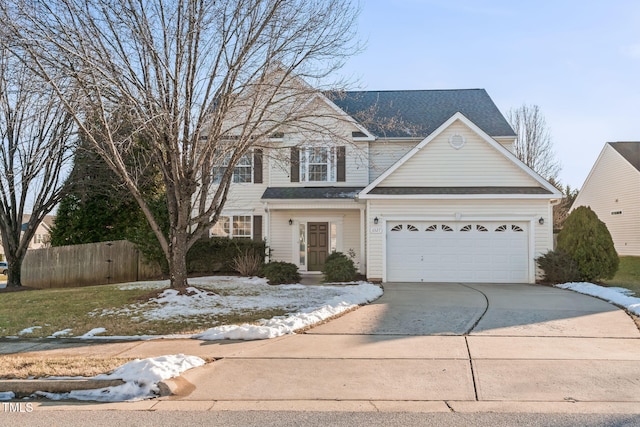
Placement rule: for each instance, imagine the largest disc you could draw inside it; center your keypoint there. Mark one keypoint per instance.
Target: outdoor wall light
(375, 220)
(541, 221)
(290, 221)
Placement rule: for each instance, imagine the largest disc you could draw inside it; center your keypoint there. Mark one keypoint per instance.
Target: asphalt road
(72, 418)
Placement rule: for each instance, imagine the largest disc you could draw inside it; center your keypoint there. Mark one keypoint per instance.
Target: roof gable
(629, 150)
(418, 113)
(443, 174)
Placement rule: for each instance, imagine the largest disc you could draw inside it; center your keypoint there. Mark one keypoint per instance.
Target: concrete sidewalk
(421, 347)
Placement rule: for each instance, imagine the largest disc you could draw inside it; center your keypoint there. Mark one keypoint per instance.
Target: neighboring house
(42, 237)
(612, 191)
(423, 187)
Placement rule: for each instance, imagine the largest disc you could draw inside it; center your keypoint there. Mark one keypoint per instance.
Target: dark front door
(318, 247)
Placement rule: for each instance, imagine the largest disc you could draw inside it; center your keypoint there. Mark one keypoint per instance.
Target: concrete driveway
(439, 347)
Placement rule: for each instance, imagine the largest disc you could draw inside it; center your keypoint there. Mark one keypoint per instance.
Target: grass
(81, 309)
(628, 275)
(53, 310)
(19, 367)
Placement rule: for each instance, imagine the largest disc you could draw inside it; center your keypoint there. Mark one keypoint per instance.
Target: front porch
(305, 234)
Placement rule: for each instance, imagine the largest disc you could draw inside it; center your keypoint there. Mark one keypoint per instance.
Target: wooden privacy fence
(82, 265)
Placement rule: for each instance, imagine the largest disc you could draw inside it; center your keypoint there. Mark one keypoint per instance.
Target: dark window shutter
(257, 227)
(341, 172)
(257, 166)
(295, 164)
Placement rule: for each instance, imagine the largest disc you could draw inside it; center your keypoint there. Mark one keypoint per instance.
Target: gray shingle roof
(311, 192)
(630, 151)
(402, 191)
(417, 113)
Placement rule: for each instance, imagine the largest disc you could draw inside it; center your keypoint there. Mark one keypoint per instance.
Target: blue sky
(578, 60)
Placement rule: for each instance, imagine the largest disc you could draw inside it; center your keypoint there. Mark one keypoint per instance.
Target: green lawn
(52, 310)
(628, 275)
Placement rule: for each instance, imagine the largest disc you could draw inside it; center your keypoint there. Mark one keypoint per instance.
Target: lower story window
(235, 227)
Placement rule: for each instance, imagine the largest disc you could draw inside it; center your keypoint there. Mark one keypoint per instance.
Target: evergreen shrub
(217, 254)
(588, 242)
(338, 267)
(278, 273)
(558, 267)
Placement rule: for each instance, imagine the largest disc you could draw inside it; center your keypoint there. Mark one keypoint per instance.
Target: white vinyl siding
(245, 198)
(384, 154)
(475, 164)
(613, 186)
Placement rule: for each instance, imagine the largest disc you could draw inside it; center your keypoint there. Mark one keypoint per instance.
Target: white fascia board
(461, 218)
(496, 145)
(457, 196)
(312, 203)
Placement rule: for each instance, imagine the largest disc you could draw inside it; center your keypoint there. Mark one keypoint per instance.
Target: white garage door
(421, 251)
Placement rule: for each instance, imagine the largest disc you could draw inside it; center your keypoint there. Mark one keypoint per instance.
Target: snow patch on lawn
(92, 333)
(141, 377)
(220, 295)
(348, 298)
(29, 330)
(61, 333)
(618, 296)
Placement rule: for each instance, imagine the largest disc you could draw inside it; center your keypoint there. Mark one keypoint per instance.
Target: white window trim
(220, 170)
(331, 163)
(232, 234)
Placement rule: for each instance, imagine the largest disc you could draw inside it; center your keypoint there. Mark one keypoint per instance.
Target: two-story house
(422, 186)
(42, 237)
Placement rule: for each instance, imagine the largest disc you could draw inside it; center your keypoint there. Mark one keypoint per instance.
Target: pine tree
(588, 242)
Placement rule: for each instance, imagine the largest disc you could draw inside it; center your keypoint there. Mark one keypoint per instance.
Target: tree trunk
(13, 280)
(178, 259)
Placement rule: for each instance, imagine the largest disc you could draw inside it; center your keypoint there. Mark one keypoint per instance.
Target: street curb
(23, 388)
(175, 388)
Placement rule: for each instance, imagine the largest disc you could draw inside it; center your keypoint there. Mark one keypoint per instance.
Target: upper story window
(245, 170)
(241, 173)
(318, 164)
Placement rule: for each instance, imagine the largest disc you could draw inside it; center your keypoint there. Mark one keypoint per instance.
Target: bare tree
(200, 82)
(561, 210)
(533, 144)
(35, 135)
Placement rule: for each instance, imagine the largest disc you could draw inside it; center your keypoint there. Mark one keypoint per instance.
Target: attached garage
(439, 251)
(458, 207)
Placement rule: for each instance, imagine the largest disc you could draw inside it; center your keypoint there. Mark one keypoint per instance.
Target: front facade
(612, 191)
(420, 186)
